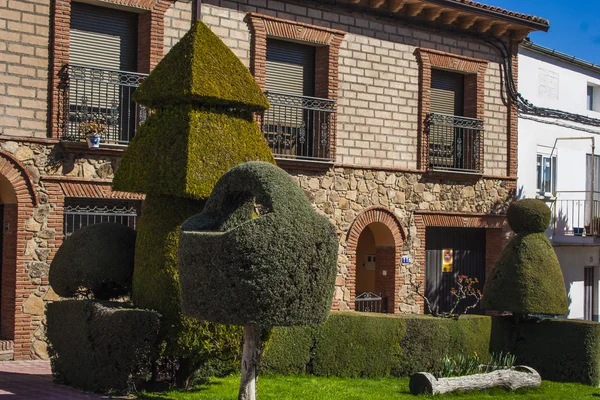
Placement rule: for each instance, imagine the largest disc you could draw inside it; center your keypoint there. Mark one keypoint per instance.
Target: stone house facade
(388, 113)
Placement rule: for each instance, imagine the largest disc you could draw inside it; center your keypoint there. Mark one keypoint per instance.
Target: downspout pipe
(197, 10)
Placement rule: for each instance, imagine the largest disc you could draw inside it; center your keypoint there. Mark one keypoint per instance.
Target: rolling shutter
(290, 68)
(103, 37)
(447, 90)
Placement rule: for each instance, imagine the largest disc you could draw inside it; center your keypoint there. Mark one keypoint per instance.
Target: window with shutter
(290, 68)
(447, 92)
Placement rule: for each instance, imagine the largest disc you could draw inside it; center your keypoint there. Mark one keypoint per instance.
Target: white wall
(554, 84)
(551, 83)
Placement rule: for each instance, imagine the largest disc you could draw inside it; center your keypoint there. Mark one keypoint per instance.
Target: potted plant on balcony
(93, 130)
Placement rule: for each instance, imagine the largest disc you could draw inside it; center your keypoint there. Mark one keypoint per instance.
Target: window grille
(80, 213)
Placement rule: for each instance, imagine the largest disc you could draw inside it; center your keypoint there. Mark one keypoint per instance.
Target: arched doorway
(375, 269)
(8, 214)
(374, 247)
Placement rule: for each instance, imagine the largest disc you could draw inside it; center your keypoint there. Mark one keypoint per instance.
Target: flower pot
(93, 140)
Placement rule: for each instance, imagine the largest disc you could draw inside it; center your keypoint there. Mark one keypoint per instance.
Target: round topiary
(97, 260)
(528, 215)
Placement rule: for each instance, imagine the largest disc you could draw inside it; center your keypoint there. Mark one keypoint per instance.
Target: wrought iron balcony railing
(455, 143)
(99, 95)
(576, 213)
(299, 127)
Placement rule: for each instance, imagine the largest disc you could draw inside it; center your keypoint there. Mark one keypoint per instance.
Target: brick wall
(178, 20)
(378, 80)
(24, 26)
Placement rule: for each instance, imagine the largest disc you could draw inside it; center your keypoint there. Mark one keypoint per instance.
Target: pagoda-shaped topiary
(202, 99)
(257, 256)
(527, 278)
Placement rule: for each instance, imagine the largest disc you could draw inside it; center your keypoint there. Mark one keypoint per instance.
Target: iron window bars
(299, 127)
(79, 213)
(95, 94)
(455, 143)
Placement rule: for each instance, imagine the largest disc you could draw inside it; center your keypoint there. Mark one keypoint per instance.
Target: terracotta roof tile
(528, 17)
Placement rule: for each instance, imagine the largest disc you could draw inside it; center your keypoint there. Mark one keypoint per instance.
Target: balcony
(299, 127)
(575, 213)
(100, 95)
(455, 143)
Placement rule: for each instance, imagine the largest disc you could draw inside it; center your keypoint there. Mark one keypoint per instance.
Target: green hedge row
(378, 345)
(101, 347)
(559, 349)
(374, 345)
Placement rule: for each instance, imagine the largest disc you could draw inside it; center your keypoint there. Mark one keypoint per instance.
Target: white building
(555, 164)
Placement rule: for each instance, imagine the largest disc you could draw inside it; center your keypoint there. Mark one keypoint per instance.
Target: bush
(200, 68)
(559, 349)
(289, 350)
(377, 345)
(96, 259)
(528, 215)
(260, 245)
(182, 150)
(527, 278)
(101, 347)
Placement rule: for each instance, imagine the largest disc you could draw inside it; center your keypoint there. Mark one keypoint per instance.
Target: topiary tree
(96, 260)
(257, 256)
(527, 278)
(202, 98)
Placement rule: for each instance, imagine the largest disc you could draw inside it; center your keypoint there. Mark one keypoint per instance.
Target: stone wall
(378, 79)
(341, 194)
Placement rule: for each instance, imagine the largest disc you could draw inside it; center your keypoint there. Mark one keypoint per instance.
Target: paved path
(32, 380)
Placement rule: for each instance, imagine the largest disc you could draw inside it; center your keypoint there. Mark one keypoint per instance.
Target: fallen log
(514, 378)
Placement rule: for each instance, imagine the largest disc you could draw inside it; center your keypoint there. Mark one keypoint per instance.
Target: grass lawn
(319, 388)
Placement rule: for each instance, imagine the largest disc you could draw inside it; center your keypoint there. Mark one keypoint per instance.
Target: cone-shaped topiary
(527, 278)
(202, 96)
(201, 69)
(95, 260)
(258, 256)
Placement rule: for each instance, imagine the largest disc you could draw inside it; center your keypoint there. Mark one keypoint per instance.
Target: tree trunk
(184, 373)
(250, 359)
(515, 378)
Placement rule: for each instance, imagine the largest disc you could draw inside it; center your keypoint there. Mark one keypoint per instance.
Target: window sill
(309, 165)
(104, 149)
(454, 175)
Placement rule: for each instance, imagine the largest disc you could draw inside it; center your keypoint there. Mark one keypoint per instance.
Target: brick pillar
(9, 272)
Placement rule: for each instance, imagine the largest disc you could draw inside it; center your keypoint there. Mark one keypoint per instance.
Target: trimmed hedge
(200, 68)
(96, 259)
(182, 150)
(559, 349)
(527, 278)
(261, 247)
(101, 347)
(375, 345)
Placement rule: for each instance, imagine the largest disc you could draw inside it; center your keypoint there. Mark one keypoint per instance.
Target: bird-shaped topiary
(527, 278)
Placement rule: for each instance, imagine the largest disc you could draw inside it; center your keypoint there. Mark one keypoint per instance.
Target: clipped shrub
(559, 349)
(101, 347)
(202, 97)
(260, 245)
(377, 345)
(358, 345)
(528, 216)
(527, 278)
(182, 150)
(201, 69)
(96, 259)
(289, 351)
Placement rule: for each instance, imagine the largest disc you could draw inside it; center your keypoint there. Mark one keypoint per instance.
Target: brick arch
(15, 325)
(17, 175)
(366, 217)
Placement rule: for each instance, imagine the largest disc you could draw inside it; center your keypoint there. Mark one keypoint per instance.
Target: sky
(574, 24)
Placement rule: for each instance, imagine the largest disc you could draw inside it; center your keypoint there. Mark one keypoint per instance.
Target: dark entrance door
(1, 246)
(468, 258)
